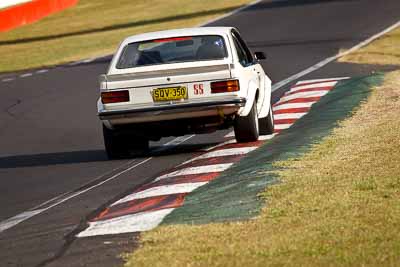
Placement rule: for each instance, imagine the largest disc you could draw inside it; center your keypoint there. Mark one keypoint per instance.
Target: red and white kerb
(146, 207)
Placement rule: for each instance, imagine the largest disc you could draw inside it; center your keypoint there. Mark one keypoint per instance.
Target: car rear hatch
(167, 76)
(194, 78)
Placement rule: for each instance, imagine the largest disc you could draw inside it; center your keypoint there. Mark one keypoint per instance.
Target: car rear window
(172, 50)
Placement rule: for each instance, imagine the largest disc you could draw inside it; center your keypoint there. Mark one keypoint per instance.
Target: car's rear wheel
(122, 145)
(246, 128)
(266, 124)
(138, 145)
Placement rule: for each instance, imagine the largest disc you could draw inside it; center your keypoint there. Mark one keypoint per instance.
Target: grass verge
(384, 51)
(95, 28)
(337, 205)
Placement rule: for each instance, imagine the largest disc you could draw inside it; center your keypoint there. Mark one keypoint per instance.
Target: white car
(184, 81)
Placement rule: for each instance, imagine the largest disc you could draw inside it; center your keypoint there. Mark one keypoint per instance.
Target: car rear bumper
(175, 111)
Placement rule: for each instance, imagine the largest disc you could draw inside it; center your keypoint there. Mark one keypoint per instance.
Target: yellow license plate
(168, 94)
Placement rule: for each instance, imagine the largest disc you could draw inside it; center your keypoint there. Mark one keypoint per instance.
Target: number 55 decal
(198, 89)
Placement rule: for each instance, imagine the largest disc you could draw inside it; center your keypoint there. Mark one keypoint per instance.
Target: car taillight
(115, 97)
(225, 86)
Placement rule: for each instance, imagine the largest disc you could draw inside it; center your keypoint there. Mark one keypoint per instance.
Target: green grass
(384, 51)
(95, 28)
(338, 205)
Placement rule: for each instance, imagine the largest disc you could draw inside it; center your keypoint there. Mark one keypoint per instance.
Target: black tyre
(266, 124)
(121, 145)
(246, 128)
(137, 146)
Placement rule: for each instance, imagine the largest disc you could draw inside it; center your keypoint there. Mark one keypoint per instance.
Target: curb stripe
(194, 178)
(161, 191)
(285, 121)
(299, 95)
(237, 145)
(310, 100)
(328, 88)
(284, 116)
(207, 161)
(214, 161)
(280, 106)
(126, 224)
(196, 170)
(141, 205)
(291, 111)
(223, 153)
(313, 85)
(282, 126)
(321, 80)
(266, 137)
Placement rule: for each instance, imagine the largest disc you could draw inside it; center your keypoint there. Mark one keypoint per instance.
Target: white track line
(333, 58)
(42, 71)
(74, 63)
(83, 61)
(26, 75)
(8, 79)
(161, 191)
(293, 105)
(126, 224)
(6, 224)
(322, 80)
(177, 141)
(196, 170)
(88, 60)
(286, 116)
(17, 219)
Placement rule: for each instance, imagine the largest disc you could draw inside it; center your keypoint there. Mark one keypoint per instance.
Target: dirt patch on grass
(337, 205)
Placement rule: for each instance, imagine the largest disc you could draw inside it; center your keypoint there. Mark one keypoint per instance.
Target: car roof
(178, 33)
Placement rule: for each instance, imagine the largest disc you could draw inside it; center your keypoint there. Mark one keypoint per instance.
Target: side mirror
(259, 56)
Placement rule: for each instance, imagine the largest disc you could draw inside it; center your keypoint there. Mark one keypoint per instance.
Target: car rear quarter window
(172, 50)
(243, 52)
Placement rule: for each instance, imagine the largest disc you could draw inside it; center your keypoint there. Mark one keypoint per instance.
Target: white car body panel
(141, 81)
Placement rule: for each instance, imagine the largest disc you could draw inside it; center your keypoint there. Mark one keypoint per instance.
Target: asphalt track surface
(51, 141)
